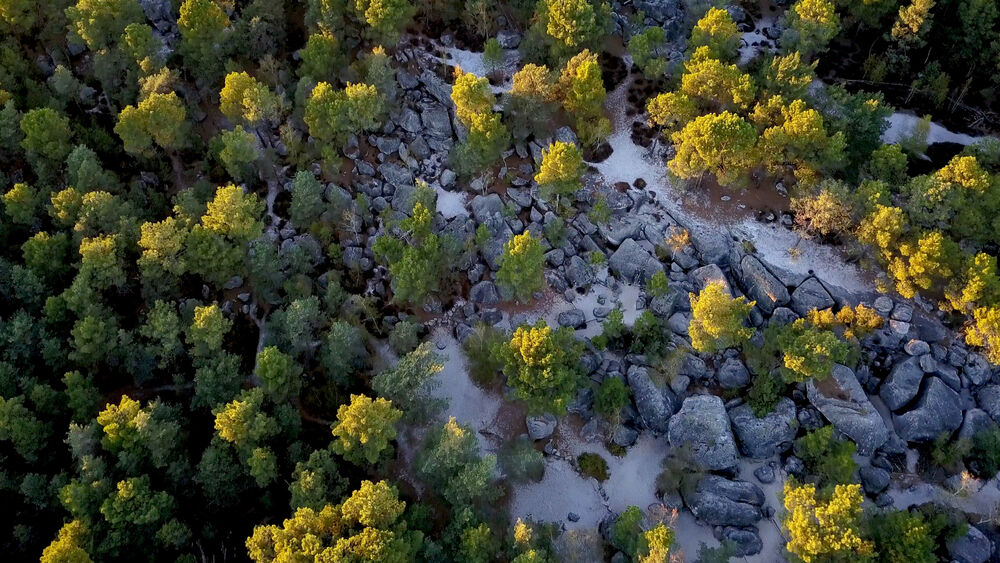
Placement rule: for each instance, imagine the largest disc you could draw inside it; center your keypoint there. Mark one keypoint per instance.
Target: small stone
(916, 348)
(573, 517)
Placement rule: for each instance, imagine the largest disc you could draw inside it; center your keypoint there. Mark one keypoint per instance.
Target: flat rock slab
(702, 426)
(844, 403)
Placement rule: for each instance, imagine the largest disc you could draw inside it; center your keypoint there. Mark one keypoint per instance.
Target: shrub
(521, 461)
(824, 528)
(611, 396)
(903, 537)
(765, 392)
(717, 319)
(593, 465)
(986, 452)
(484, 364)
(543, 366)
(830, 459)
(403, 337)
(658, 285)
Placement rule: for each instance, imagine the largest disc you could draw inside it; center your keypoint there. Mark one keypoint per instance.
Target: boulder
(633, 263)
(902, 384)
(661, 10)
(579, 273)
(764, 437)
(873, 479)
(709, 274)
(484, 293)
(746, 540)
(988, 399)
(975, 421)
(810, 295)
(486, 206)
(396, 174)
(733, 374)
(717, 501)
(574, 318)
(973, 547)
(436, 120)
(762, 286)
(844, 403)
(508, 39)
(939, 410)
(540, 427)
(702, 426)
(655, 405)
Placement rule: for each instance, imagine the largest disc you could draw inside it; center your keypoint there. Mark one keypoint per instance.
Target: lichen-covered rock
(733, 374)
(973, 547)
(632, 263)
(938, 411)
(763, 437)
(843, 402)
(702, 426)
(655, 404)
(762, 286)
(903, 383)
(540, 427)
(718, 501)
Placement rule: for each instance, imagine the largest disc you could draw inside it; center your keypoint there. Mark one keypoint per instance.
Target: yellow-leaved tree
(824, 529)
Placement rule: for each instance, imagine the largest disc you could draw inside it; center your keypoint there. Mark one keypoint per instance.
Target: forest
(525, 281)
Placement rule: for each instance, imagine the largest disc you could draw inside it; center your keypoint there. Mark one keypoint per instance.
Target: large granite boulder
(764, 437)
(973, 547)
(702, 426)
(844, 403)
(810, 295)
(718, 501)
(903, 383)
(655, 404)
(988, 399)
(762, 286)
(938, 411)
(633, 263)
(710, 273)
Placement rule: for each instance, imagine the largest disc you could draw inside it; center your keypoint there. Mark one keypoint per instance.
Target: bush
(765, 392)
(985, 454)
(484, 364)
(593, 465)
(521, 461)
(830, 459)
(403, 337)
(903, 537)
(717, 319)
(657, 285)
(611, 396)
(649, 335)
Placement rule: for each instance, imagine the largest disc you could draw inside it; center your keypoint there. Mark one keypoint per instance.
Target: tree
(201, 24)
(572, 24)
(139, 41)
(646, 49)
(207, 330)
(242, 421)
(809, 27)
(244, 99)
(796, 135)
(819, 528)
(408, 384)
(307, 199)
(100, 23)
(343, 353)
(522, 266)
(84, 171)
(239, 151)
(279, 374)
(671, 111)
(912, 23)
(366, 527)
(925, 263)
(471, 95)
(449, 462)
(68, 545)
(321, 57)
(657, 543)
(788, 75)
(234, 214)
(542, 366)
(316, 481)
(385, 18)
(720, 144)
(19, 426)
(611, 397)
(21, 203)
(717, 31)
(582, 91)
(493, 55)
(217, 379)
(829, 458)
(827, 212)
(902, 536)
(717, 319)
(160, 119)
(46, 134)
(364, 429)
(626, 531)
(488, 139)
(985, 331)
(723, 85)
(530, 102)
(561, 169)
(332, 115)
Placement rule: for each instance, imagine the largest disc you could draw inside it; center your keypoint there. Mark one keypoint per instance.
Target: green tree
(408, 384)
(208, 330)
(573, 24)
(84, 171)
(100, 23)
(810, 351)
(68, 547)
(239, 151)
(46, 134)
(611, 397)
(449, 461)
(280, 376)
(646, 49)
(21, 203)
(22, 428)
(364, 429)
(159, 119)
(929, 261)
(542, 366)
(903, 537)
(385, 18)
(522, 266)
(488, 139)
(332, 114)
(809, 27)
(671, 111)
(717, 319)
(493, 55)
(716, 83)
(582, 91)
(561, 170)
(830, 459)
(717, 31)
(720, 144)
(913, 22)
(322, 56)
(788, 75)
(471, 95)
(343, 353)
(316, 481)
(245, 99)
(824, 527)
(202, 24)
(307, 199)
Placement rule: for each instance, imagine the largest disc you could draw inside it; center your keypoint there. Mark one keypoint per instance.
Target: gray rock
(988, 399)
(437, 121)
(873, 479)
(579, 273)
(717, 501)
(747, 540)
(765, 474)
(782, 316)
(484, 293)
(917, 348)
(973, 547)
(157, 11)
(574, 318)
(508, 39)
(703, 426)
(633, 263)
(762, 286)
(844, 403)
(486, 206)
(410, 121)
(810, 295)
(976, 369)
(655, 405)
(975, 421)
(939, 410)
(733, 374)
(555, 257)
(661, 10)
(764, 437)
(883, 304)
(396, 174)
(709, 274)
(540, 427)
(624, 436)
(565, 134)
(448, 178)
(902, 384)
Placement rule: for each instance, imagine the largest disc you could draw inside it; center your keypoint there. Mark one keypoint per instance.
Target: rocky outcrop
(655, 404)
(973, 547)
(762, 286)
(763, 437)
(938, 411)
(718, 501)
(843, 402)
(633, 263)
(903, 383)
(702, 428)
